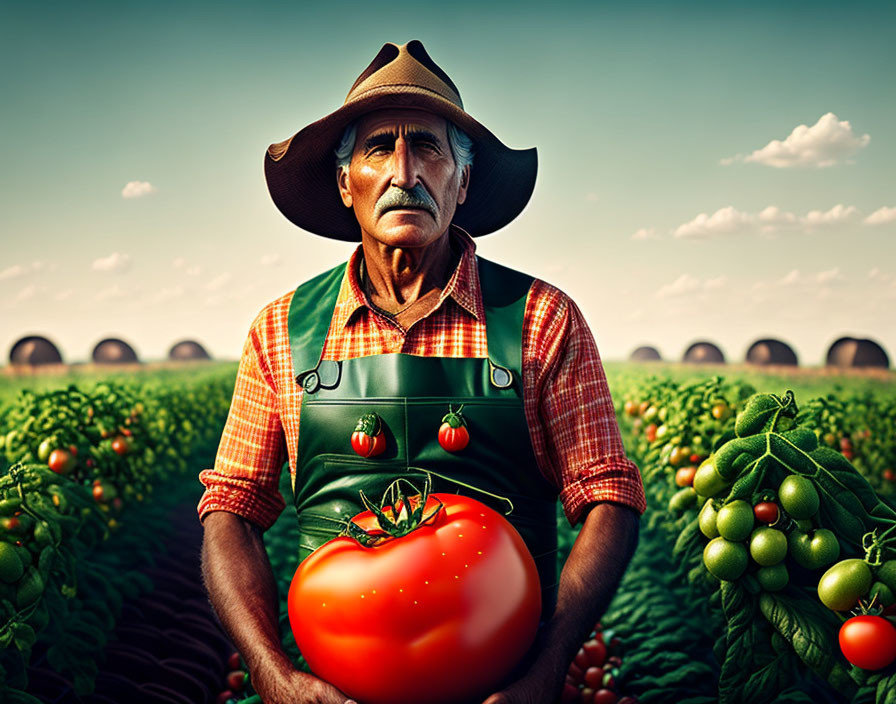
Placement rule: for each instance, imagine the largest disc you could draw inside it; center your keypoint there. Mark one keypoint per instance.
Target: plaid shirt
(572, 423)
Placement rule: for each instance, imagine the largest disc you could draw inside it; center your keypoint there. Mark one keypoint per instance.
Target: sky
(712, 171)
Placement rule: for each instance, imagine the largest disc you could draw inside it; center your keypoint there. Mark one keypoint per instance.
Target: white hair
(459, 141)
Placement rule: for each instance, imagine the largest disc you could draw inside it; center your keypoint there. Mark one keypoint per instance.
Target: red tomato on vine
(868, 642)
(440, 596)
(368, 439)
(453, 433)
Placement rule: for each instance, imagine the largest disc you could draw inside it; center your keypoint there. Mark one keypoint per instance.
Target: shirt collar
(463, 286)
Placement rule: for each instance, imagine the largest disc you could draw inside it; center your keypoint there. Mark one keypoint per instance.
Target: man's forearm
(589, 580)
(242, 589)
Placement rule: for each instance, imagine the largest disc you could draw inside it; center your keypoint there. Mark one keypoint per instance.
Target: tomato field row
(88, 474)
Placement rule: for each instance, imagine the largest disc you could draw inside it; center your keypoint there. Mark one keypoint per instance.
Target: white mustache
(416, 197)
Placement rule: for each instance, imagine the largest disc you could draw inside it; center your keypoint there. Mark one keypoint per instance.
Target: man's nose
(404, 166)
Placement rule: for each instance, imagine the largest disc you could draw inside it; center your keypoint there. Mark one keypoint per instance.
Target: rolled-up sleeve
(572, 421)
(250, 457)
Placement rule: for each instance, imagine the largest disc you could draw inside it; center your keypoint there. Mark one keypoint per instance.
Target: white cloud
(716, 283)
(111, 293)
(179, 263)
(137, 189)
(13, 272)
(168, 294)
(219, 282)
(827, 142)
(116, 261)
(194, 270)
(64, 295)
(270, 259)
(645, 233)
(877, 275)
(725, 221)
(17, 270)
(790, 279)
(881, 216)
(683, 285)
(592, 198)
(770, 221)
(25, 294)
(832, 276)
(838, 214)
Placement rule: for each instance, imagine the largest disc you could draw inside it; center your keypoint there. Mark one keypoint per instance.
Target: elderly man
(415, 324)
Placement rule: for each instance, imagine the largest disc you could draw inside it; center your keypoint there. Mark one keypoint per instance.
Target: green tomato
(841, 587)
(773, 578)
(798, 497)
(11, 567)
(768, 546)
(735, 520)
(883, 593)
(725, 559)
(707, 481)
(805, 525)
(707, 520)
(886, 573)
(45, 448)
(822, 549)
(683, 499)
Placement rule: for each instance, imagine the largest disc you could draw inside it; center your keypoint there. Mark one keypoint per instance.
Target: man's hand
(588, 582)
(291, 686)
(243, 592)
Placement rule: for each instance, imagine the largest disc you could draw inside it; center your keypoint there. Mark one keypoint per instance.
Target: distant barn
(645, 354)
(188, 350)
(703, 353)
(114, 351)
(857, 352)
(34, 350)
(770, 351)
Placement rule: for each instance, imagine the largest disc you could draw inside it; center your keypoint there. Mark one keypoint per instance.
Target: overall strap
(504, 293)
(310, 314)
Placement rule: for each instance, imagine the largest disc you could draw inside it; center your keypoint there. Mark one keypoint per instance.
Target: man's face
(402, 182)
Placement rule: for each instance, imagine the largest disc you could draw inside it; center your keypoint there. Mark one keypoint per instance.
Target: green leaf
(812, 631)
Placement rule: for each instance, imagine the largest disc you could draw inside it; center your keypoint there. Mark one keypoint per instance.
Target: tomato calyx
(397, 515)
(368, 438)
(454, 419)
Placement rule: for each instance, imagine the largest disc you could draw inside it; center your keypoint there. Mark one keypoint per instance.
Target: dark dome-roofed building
(769, 351)
(34, 350)
(188, 350)
(703, 353)
(857, 352)
(114, 351)
(646, 353)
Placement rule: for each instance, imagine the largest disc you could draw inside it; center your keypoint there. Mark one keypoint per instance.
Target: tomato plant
(868, 642)
(436, 592)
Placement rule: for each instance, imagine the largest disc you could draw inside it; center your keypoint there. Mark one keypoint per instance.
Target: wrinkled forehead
(395, 121)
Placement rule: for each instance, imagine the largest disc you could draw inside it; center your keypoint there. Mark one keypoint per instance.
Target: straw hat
(301, 171)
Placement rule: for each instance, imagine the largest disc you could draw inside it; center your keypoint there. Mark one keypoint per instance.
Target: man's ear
(464, 184)
(345, 188)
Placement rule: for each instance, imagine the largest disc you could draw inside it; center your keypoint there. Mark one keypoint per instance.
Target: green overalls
(411, 394)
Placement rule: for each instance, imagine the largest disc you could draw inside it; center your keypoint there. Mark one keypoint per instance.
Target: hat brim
(301, 172)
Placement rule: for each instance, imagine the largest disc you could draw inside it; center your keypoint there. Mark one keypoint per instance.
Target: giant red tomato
(441, 614)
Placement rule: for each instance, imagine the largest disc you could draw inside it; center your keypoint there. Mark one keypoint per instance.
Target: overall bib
(411, 394)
